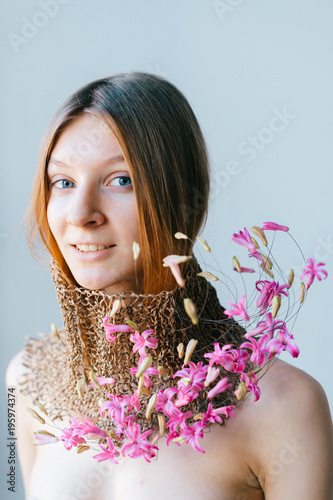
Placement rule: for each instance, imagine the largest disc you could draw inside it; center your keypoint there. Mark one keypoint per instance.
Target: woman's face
(92, 209)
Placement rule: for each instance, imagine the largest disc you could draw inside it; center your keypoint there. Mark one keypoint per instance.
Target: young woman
(124, 161)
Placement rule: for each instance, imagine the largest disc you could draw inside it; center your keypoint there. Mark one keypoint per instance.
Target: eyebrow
(111, 160)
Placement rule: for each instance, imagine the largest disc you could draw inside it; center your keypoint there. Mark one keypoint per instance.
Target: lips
(92, 248)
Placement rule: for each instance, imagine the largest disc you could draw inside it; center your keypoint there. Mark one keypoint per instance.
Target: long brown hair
(166, 153)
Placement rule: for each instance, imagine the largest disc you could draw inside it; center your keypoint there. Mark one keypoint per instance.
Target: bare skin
(280, 447)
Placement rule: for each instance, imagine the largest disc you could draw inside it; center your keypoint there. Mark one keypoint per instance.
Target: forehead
(87, 137)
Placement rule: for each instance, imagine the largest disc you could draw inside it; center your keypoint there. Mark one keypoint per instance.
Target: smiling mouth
(92, 248)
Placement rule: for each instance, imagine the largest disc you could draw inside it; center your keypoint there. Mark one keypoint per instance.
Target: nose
(85, 210)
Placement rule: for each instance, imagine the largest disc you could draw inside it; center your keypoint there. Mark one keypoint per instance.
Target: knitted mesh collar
(54, 365)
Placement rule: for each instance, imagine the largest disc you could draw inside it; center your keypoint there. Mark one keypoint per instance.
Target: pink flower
(236, 361)
(109, 453)
(178, 419)
(313, 270)
(213, 415)
(212, 374)
(219, 355)
(221, 386)
(150, 371)
(173, 262)
(103, 381)
(184, 398)
(142, 341)
(283, 342)
(117, 407)
(196, 373)
(69, 439)
(165, 401)
(270, 325)
(192, 433)
(267, 291)
(244, 239)
(137, 444)
(172, 435)
(110, 329)
(41, 439)
(244, 270)
(274, 227)
(251, 383)
(258, 348)
(238, 310)
(83, 426)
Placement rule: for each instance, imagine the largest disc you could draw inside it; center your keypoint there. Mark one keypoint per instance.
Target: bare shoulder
(289, 389)
(291, 434)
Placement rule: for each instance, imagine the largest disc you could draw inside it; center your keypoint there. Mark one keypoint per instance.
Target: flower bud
(140, 385)
(254, 241)
(186, 380)
(291, 277)
(45, 433)
(189, 350)
(301, 299)
(241, 391)
(276, 304)
(161, 370)
(266, 270)
(80, 387)
(212, 374)
(151, 405)
(81, 448)
(136, 250)
(42, 408)
(236, 264)
(35, 415)
(132, 324)
(191, 311)
(179, 440)
(203, 243)
(181, 236)
(156, 439)
(54, 331)
(208, 276)
(161, 424)
(146, 363)
(115, 307)
(267, 260)
(94, 379)
(260, 233)
(180, 349)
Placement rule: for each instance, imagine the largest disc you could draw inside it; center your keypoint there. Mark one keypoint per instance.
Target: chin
(110, 285)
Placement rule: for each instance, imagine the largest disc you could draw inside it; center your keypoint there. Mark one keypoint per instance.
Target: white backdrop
(240, 63)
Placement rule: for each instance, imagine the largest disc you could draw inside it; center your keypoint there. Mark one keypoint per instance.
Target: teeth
(91, 248)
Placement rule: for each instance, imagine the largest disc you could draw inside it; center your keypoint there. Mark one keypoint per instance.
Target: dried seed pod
(204, 243)
(191, 311)
(189, 350)
(208, 275)
(35, 415)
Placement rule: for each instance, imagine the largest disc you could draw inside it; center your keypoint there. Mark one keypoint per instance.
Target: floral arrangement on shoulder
(267, 336)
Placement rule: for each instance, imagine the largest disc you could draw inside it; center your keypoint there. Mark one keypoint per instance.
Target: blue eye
(123, 181)
(64, 184)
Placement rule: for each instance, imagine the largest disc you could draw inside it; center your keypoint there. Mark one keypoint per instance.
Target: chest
(178, 472)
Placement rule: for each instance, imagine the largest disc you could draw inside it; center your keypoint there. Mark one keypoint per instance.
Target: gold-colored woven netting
(55, 365)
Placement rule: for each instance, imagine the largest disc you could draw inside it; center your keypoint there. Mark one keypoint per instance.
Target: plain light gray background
(240, 63)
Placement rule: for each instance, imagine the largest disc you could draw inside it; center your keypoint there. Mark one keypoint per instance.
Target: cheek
(55, 219)
(128, 223)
